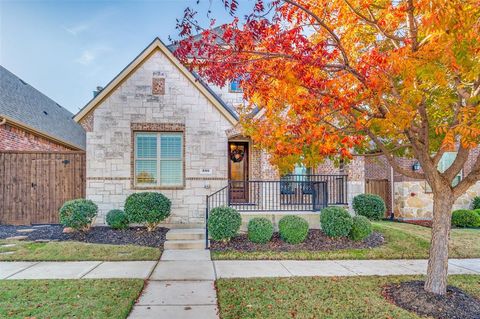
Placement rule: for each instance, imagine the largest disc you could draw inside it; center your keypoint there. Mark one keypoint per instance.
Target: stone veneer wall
(109, 140)
(356, 179)
(413, 201)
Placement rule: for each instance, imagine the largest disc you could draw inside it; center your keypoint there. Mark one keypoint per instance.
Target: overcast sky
(66, 48)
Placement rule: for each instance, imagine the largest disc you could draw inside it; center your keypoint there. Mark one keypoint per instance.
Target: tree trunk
(438, 261)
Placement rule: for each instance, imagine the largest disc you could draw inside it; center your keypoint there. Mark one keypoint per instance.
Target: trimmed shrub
(361, 228)
(476, 203)
(260, 230)
(477, 211)
(465, 218)
(224, 223)
(78, 214)
(147, 208)
(336, 221)
(293, 229)
(369, 205)
(117, 219)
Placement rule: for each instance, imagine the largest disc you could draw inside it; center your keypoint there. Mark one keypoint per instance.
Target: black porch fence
(290, 193)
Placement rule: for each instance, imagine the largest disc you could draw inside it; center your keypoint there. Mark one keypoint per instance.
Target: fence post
(206, 224)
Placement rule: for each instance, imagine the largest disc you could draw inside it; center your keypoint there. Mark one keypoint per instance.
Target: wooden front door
(238, 171)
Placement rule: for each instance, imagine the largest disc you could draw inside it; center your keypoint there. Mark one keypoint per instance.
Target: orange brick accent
(17, 139)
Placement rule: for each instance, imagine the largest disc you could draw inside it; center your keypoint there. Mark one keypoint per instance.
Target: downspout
(392, 193)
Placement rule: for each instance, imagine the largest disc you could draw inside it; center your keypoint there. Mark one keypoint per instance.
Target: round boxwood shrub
(476, 202)
(260, 230)
(361, 228)
(369, 205)
(117, 219)
(223, 223)
(465, 218)
(78, 214)
(336, 221)
(293, 229)
(477, 211)
(147, 208)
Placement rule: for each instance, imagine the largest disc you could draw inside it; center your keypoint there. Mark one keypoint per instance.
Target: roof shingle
(22, 103)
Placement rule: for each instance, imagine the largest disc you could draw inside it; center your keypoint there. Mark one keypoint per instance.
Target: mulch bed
(316, 241)
(456, 304)
(97, 235)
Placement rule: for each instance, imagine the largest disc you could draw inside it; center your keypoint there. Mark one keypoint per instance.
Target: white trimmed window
(445, 162)
(159, 159)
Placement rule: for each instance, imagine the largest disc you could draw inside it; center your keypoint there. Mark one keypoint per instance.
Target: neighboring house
(157, 127)
(413, 198)
(31, 121)
(41, 154)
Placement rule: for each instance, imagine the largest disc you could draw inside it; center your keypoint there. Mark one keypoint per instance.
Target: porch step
(184, 244)
(186, 234)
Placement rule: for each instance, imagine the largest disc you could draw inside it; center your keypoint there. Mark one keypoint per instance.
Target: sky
(66, 48)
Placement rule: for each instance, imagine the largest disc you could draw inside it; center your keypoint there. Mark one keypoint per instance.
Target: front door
(238, 171)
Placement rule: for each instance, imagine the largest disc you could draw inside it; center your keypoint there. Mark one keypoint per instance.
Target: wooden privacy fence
(34, 185)
(380, 187)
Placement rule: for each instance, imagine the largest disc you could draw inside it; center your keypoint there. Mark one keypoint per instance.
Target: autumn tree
(335, 78)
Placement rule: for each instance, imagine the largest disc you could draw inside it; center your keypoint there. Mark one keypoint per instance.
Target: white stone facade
(412, 200)
(109, 143)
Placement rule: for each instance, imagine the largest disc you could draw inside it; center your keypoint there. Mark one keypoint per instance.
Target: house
(41, 154)
(412, 199)
(157, 127)
(31, 121)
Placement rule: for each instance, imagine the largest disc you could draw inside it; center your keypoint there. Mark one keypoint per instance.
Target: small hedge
(465, 218)
(78, 214)
(117, 219)
(477, 211)
(147, 208)
(224, 223)
(260, 230)
(336, 222)
(361, 228)
(369, 205)
(293, 229)
(476, 203)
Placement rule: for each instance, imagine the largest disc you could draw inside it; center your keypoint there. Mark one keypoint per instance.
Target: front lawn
(318, 297)
(74, 251)
(68, 298)
(402, 241)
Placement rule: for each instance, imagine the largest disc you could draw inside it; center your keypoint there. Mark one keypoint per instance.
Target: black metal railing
(290, 193)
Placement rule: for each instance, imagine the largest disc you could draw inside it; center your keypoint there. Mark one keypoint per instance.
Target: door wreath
(237, 155)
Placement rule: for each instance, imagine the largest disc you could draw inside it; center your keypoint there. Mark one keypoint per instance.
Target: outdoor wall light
(416, 166)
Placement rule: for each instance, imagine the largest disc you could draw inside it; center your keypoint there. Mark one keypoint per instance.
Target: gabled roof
(157, 44)
(24, 106)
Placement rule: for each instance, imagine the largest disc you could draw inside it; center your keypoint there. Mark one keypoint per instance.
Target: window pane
(446, 161)
(171, 172)
(171, 146)
(146, 146)
(146, 172)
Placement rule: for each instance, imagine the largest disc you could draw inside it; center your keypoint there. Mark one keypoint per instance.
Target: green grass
(74, 251)
(403, 241)
(68, 298)
(318, 297)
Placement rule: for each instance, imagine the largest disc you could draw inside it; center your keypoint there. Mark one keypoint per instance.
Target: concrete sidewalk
(183, 266)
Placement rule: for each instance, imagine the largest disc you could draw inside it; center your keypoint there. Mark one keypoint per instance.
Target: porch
(292, 193)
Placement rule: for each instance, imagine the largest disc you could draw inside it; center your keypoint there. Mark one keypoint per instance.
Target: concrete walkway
(181, 286)
(196, 265)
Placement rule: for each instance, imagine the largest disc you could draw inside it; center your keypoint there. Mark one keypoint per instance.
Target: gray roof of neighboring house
(22, 103)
